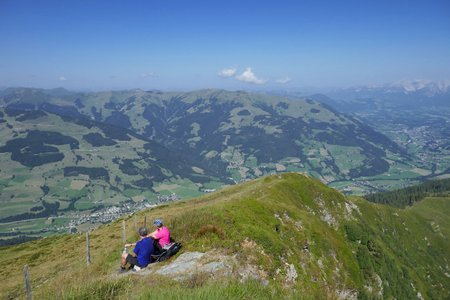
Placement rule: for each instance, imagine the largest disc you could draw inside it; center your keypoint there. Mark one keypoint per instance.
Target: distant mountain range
(84, 151)
(416, 115)
(237, 134)
(403, 94)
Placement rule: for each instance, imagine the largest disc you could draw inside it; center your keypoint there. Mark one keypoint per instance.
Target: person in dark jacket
(141, 256)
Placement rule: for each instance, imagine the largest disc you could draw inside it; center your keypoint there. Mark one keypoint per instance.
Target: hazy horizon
(233, 45)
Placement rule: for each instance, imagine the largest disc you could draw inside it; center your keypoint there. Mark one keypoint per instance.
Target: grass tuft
(204, 230)
(101, 289)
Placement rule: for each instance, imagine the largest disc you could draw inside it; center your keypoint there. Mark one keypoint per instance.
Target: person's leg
(132, 260)
(123, 261)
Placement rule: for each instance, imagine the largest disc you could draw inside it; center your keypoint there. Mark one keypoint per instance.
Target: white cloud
(250, 77)
(230, 72)
(284, 80)
(62, 78)
(147, 74)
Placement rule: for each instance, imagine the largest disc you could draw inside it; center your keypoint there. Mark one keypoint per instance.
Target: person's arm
(152, 235)
(131, 245)
(136, 250)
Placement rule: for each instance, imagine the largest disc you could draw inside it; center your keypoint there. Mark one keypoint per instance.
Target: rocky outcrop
(212, 264)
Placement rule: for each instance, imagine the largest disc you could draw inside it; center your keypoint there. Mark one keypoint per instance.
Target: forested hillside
(410, 195)
(235, 134)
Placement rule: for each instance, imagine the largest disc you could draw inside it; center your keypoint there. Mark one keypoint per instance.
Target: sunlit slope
(337, 247)
(52, 165)
(234, 133)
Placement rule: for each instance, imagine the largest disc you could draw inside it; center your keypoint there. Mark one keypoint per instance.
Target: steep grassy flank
(337, 247)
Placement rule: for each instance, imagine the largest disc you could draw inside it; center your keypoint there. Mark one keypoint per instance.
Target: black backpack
(167, 253)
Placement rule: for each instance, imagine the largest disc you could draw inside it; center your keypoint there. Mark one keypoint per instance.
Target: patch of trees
(36, 208)
(93, 173)
(45, 189)
(109, 131)
(372, 166)
(144, 183)
(68, 111)
(266, 107)
(78, 158)
(16, 109)
(112, 105)
(127, 166)
(50, 209)
(97, 114)
(283, 105)
(116, 133)
(117, 118)
(79, 103)
(408, 196)
(244, 112)
(98, 140)
(34, 149)
(52, 138)
(336, 138)
(31, 115)
(37, 156)
(178, 163)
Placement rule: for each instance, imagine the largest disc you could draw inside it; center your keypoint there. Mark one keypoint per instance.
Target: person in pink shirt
(161, 234)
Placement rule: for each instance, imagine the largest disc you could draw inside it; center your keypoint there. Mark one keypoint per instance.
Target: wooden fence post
(145, 221)
(27, 282)
(135, 224)
(124, 232)
(88, 251)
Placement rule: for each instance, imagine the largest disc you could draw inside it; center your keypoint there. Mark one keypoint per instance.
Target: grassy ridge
(337, 246)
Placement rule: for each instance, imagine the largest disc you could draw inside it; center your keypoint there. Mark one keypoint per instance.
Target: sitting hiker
(142, 251)
(161, 235)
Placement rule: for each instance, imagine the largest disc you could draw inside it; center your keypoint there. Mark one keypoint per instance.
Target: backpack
(172, 250)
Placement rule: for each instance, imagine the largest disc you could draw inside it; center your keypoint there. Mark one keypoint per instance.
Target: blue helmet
(158, 222)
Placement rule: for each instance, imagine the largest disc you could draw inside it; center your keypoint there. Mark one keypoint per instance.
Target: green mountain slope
(61, 167)
(238, 134)
(301, 239)
(415, 115)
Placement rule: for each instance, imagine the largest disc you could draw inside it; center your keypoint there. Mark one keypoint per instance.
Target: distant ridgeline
(410, 195)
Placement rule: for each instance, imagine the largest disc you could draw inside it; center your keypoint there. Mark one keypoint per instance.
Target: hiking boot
(122, 270)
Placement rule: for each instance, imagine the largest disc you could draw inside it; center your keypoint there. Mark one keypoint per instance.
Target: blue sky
(164, 44)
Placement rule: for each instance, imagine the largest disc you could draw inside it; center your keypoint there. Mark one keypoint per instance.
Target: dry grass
(210, 229)
(237, 220)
